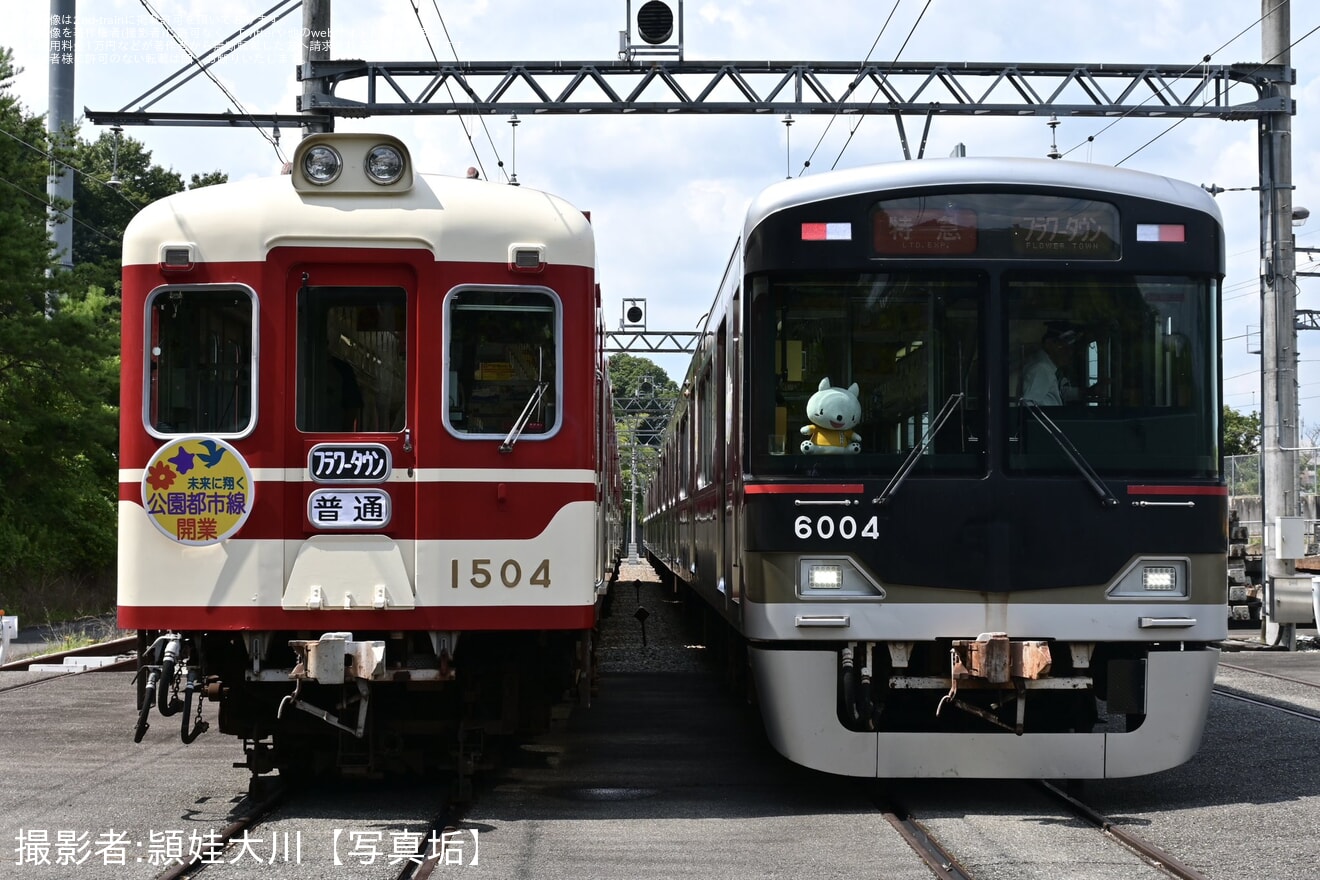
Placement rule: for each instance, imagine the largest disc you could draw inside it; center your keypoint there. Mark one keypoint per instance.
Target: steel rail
(1144, 848)
(940, 861)
(1267, 704)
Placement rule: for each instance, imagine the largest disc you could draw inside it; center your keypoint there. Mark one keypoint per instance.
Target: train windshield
(351, 371)
(851, 372)
(200, 376)
(855, 374)
(1123, 368)
(503, 362)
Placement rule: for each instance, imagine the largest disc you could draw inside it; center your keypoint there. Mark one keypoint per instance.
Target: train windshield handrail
(516, 431)
(954, 401)
(1106, 497)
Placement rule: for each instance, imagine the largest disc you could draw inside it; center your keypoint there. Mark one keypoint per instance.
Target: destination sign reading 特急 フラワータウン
(988, 225)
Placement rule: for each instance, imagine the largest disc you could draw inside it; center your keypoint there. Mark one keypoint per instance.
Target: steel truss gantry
(348, 88)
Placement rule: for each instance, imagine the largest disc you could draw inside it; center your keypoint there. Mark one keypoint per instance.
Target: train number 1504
(481, 573)
(846, 527)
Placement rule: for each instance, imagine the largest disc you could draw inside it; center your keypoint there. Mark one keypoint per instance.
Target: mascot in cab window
(833, 412)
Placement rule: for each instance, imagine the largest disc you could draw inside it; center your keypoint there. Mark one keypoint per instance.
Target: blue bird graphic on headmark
(213, 453)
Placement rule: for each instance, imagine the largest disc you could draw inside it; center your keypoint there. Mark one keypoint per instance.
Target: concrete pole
(59, 96)
(1279, 429)
(316, 37)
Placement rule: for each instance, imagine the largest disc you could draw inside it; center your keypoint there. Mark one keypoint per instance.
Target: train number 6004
(829, 527)
(509, 572)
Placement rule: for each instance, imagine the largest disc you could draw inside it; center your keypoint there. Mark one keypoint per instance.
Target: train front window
(502, 362)
(908, 341)
(200, 376)
(351, 359)
(1125, 367)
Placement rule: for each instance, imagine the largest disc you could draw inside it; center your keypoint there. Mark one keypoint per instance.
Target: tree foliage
(58, 378)
(1241, 432)
(643, 399)
(59, 345)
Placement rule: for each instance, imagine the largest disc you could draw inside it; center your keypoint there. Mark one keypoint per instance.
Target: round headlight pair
(322, 164)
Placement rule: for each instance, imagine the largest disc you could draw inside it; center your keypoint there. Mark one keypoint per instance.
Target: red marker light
(827, 232)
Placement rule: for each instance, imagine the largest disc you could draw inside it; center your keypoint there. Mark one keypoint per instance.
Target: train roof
(468, 219)
(972, 172)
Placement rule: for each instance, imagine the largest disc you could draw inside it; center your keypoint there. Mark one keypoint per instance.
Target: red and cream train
(368, 492)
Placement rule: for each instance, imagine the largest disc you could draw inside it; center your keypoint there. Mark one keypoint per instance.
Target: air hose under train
(162, 678)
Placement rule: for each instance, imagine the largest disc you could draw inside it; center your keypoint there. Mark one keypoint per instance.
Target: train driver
(1045, 379)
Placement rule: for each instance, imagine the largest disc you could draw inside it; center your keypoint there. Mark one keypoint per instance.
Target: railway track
(397, 848)
(118, 655)
(1276, 704)
(949, 860)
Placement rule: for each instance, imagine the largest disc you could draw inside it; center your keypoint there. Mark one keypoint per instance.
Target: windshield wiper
(516, 431)
(910, 462)
(1106, 497)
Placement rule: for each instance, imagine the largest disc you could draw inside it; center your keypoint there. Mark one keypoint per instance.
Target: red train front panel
(357, 400)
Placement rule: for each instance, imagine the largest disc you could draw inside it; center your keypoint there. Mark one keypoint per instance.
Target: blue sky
(666, 194)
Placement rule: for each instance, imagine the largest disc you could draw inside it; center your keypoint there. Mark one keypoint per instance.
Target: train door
(718, 442)
(353, 436)
(730, 354)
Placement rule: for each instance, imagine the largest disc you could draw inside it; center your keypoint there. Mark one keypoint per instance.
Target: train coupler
(334, 659)
(996, 659)
(992, 659)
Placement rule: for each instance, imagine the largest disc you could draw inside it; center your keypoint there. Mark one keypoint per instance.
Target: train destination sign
(349, 463)
(996, 225)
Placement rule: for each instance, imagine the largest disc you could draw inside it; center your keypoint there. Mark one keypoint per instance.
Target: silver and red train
(369, 484)
(947, 467)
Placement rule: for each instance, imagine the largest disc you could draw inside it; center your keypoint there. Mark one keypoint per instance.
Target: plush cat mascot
(834, 412)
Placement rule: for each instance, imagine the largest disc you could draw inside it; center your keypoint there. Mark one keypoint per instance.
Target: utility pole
(316, 47)
(59, 97)
(1287, 596)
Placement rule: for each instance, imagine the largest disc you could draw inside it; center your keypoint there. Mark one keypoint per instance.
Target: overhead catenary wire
(50, 157)
(45, 203)
(238, 105)
(912, 30)
(1205, 59)
(449, 88)
(830, 123)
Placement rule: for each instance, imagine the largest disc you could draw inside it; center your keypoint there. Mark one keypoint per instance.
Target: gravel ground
(666, 641)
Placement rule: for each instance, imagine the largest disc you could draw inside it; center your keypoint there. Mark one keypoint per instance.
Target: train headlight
(834, 577)
(321, 164)
(1152, 579)
(384, 164)
(824, 577)
(1159, 578)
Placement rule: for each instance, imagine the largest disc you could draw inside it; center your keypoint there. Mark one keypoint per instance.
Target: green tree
(642, 390)
(1241, 432)
(643, 399)
(115, 178)
(58, 374)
